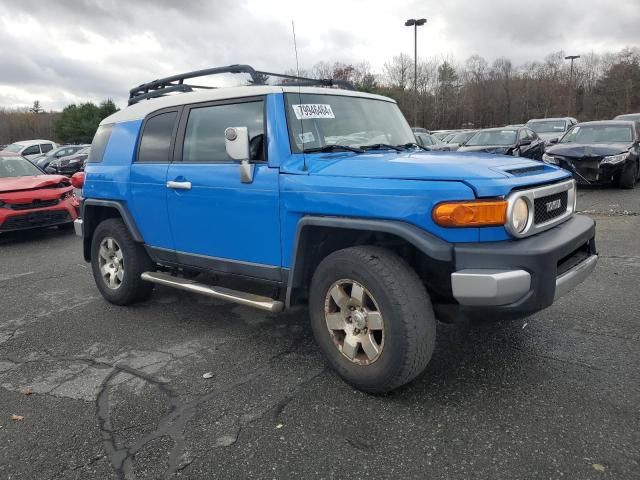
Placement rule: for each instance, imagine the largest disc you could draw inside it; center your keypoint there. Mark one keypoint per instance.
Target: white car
(31, 148)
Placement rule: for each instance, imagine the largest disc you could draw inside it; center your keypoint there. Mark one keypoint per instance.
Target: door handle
(179, 185)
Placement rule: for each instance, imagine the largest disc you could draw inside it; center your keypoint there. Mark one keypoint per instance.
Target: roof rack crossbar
(175, 83)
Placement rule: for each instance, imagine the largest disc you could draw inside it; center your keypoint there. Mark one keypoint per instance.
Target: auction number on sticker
(306, 111)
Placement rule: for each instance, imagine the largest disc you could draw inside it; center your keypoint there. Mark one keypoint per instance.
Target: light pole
(412, 22)
(571, 82)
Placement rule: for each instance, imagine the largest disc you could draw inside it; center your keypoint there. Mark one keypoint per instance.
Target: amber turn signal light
(471, 214)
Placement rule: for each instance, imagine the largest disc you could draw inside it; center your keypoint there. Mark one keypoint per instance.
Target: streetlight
(412, 22)
(571, 82)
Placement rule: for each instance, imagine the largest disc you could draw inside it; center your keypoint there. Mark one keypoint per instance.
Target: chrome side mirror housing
(236, 140)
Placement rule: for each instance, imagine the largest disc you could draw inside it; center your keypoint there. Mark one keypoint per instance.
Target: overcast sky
(65, 51)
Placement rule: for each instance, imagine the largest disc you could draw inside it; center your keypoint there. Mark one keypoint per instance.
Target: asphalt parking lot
(109, 392)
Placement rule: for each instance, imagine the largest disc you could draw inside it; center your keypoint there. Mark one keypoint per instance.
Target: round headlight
(520, 215)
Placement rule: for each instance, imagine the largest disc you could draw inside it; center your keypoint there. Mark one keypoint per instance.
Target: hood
(495, 149)
(16, 184)
(581, 150)
(488, 175)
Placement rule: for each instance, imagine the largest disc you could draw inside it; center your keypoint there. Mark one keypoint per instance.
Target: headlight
(519, 215)
(615, 159)
(549, 159)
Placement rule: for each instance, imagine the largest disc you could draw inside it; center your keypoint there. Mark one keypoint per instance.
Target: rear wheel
(629, 175)
(117, 262)
(372, 318)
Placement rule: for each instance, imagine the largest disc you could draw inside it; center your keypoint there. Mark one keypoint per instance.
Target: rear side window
(99, 144)
(46, 147)
(32, 150)
(204, 135)
(155, 143)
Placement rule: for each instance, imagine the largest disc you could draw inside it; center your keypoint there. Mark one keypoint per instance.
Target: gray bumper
(77, 226)
(484, 287)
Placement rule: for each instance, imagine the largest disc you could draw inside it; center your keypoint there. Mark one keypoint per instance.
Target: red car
(31, 199)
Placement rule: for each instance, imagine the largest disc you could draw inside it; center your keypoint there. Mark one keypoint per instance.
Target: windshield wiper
(334, 148)
(380, 146)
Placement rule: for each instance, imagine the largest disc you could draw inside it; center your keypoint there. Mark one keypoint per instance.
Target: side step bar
(221, 293)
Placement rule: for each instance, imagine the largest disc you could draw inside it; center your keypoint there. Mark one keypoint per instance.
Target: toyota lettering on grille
(553, 205)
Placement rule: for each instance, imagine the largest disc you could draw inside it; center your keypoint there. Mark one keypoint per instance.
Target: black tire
(409, 321)
(134, 259)
(629, 175)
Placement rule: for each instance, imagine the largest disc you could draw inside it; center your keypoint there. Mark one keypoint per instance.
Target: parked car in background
(419, 130)
(459, 139)
(551, 129)
(70, 164)
(519, 142)
(43, 161)
(31, 199)
(31, 148)
(635, 117)
(449, 136)
(601, 152)
(430, 142)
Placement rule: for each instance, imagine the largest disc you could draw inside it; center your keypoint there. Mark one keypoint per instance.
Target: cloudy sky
(65, 51)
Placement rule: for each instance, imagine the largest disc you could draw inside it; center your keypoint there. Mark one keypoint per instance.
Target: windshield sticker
(306, 137)
(307, 111)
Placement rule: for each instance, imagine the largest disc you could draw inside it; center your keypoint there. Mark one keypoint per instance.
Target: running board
(221, 293)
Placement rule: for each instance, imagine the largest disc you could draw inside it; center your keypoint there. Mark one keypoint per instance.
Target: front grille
(35, 219)
(588, 169)
(33, 204)
(550, 207)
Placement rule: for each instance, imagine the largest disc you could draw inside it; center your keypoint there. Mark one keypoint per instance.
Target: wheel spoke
(374, 321)
(110, 243)
(350, 346)
(369, 346)
(357, 294)
(118, 254)
(335, 321)
(103, 252)
(120, 275)
(105, 270)
(340, 297)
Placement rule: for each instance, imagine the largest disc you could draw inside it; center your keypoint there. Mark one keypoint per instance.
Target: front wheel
(372, 317)
(629, 175)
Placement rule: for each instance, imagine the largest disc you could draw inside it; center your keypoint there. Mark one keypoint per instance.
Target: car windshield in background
(318, 120)
(598, 134)
(462, 137)
(492, 137)
(17, 167)
(547, 126)
(14, 147)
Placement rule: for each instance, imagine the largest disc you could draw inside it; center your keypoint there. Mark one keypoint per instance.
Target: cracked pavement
(110, 392)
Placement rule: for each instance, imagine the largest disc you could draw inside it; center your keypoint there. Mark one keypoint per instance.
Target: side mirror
(524, 142)
(236, 141)
(554, 140)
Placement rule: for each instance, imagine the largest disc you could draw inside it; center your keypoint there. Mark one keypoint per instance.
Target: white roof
(141, 109)
(28, 143)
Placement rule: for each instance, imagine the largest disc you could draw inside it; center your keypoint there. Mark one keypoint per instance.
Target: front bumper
(62, 213)
(524, 276)
(592, 171)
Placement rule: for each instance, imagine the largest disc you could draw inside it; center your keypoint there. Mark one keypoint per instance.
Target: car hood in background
(15, 184)
(588, 150)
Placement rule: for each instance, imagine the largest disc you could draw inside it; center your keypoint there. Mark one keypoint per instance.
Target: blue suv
(308, 192)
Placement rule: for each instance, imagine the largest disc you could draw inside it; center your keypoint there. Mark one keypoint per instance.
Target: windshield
(462, 137)
(547, 126)
(319, 120)
(492, 137)
(17, 167)
(598, 134)
(14, 147)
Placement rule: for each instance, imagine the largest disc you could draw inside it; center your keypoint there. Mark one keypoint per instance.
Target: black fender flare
(424, 241)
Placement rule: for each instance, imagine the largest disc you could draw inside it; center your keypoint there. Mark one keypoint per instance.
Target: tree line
(75, 124)
(477, 93)
(473, 93)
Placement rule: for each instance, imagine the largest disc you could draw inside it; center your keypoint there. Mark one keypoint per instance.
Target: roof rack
(175, 83)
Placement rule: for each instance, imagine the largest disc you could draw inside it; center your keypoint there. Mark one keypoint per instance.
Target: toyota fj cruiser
(305, 193)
